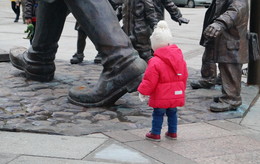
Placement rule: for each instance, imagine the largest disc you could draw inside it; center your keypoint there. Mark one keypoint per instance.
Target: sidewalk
(203, 137)
(223, 142)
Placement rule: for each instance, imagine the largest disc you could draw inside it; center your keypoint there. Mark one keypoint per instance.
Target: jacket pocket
(233, 45)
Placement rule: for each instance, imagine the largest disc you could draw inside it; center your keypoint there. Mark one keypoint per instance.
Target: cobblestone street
(43, 107)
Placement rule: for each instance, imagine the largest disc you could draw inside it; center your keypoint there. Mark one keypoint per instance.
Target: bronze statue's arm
(232, 15)
(150, 13)
(172, 9)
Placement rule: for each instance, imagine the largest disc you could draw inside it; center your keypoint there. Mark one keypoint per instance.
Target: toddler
(164, 82)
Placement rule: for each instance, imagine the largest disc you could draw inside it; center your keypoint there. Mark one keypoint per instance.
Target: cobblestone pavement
(43, 107)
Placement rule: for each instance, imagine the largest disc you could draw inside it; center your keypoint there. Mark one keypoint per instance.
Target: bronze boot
(77, 58)
(36, 67)
(110, 87)
(202, 83)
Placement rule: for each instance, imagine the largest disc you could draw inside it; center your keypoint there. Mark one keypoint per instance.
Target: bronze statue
(122, 67)
(226, 43)
(141, 16)
(139, 19)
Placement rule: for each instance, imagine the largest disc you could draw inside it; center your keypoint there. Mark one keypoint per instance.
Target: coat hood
(172, 56)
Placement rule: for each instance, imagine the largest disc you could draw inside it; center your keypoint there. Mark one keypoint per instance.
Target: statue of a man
(122, 67)
(225, 38)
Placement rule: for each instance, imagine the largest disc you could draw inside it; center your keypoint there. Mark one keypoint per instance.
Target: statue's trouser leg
(208, 71)
(49, 26)
(81, 41)
(231, 83)
(208, 68)
(123, 68)
(38, 61)
(40, 56)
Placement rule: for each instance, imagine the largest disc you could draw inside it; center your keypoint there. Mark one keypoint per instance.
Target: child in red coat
(164, 82)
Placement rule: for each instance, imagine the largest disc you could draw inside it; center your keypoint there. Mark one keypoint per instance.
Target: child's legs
(157, 121)
(172, 119)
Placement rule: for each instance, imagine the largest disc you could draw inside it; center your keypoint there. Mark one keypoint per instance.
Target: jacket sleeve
(232, 16)
(150, 80)
(172, 9)
(150, 13)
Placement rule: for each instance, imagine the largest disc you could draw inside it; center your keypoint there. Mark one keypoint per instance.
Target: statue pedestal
(4, 56)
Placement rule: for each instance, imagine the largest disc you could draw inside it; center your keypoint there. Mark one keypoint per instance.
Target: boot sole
(109, 101)
(223, 110)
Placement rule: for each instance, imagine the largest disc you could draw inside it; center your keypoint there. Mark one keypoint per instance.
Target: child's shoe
(171, 136)
(153, 137)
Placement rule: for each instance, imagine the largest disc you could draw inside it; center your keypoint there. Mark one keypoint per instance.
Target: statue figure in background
(139, 18)
(226, 43)
(122, 67)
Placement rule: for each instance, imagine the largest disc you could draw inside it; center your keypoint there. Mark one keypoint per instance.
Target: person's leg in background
(16, 8)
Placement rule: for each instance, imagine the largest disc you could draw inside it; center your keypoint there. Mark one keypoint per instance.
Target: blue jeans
(157, 121)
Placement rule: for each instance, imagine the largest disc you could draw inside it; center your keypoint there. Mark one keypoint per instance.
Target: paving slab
(116, 152)
(240, 158)
(252, 119)
(235, 120)
(213, 147)
(48, 145)
(159, 153)
(187, 132)
(230, 126)
(251, 133)
(46, 160)
(5, 158)
(123, 136)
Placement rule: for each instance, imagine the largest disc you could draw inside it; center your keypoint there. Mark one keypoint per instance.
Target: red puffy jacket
(165, 78)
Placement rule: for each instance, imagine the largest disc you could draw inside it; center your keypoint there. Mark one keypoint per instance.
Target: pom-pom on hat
(161, 36)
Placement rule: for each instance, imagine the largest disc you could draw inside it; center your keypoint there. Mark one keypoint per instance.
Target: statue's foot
(202, 83)
(109, 89)
(34, 70)
(222, 107)
(77, 58)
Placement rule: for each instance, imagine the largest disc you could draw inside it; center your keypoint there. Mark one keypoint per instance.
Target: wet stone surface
(32, 106)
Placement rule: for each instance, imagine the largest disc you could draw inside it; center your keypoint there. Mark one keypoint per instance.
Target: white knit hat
(161, 36)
